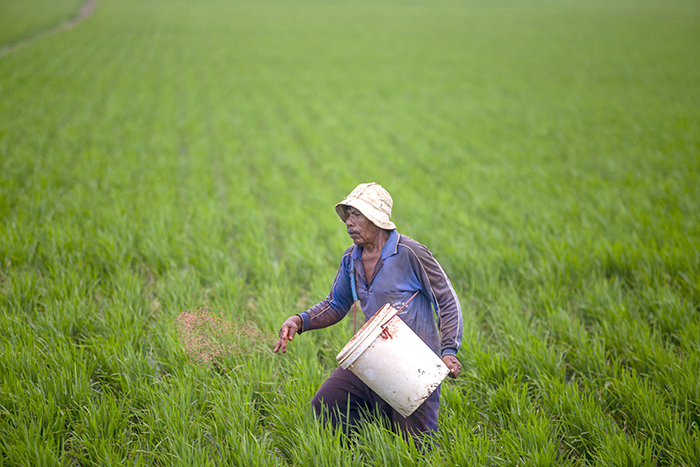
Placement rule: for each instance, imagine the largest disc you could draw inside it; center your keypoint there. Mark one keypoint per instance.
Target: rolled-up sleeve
(336, 305)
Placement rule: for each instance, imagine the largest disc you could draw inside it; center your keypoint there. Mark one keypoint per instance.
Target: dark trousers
(343, 398)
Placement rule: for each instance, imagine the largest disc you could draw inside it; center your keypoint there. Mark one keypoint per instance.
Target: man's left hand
(453, 365)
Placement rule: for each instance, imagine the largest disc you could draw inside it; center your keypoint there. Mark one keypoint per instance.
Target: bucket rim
(365, 336)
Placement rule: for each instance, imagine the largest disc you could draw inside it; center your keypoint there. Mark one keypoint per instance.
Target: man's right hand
(290, 327)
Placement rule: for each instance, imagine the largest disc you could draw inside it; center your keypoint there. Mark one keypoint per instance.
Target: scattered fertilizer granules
(209, 339)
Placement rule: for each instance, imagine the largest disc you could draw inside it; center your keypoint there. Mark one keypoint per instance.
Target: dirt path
(87, 9)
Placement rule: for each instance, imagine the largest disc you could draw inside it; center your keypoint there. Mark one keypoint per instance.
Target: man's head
(373, 201)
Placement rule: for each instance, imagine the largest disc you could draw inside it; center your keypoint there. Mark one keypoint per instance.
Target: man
(386, 267)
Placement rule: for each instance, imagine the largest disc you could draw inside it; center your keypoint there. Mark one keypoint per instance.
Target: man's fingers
(453, 365)
(282, 342)
(281, 346)
(287, 332)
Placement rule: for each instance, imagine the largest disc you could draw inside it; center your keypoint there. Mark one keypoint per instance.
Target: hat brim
(374, 215)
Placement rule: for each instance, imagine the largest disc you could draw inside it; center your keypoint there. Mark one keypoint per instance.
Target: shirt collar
(392, 245)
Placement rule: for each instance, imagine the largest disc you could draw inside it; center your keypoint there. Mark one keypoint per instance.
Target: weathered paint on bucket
(401, 368)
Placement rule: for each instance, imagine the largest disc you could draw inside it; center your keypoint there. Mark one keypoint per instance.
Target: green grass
(21, 19)
(163, 156)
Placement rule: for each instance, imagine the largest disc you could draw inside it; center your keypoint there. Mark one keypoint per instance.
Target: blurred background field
(164, 156)
(22, 19)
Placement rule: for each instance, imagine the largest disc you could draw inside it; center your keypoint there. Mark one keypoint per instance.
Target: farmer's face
(360, 229)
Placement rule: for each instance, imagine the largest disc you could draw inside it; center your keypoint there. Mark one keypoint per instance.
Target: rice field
(168, 163)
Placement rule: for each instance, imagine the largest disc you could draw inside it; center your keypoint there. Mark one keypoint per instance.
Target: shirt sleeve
(336, 305)
(444, 298)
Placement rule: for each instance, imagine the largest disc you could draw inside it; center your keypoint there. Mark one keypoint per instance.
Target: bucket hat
(373, 201)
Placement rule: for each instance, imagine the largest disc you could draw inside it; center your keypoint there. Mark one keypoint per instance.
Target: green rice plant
(463, 437)
(238, 412)
(32, 443)
(640, 411)
(378, 445)
(579, 416)
(103, 434)
(489, 370)
(538, 360)
(510, 405)
(300, 439)
(622, 449)
(532, 442)
(666, 310)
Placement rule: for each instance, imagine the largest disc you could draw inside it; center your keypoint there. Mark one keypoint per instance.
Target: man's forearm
(320, 316)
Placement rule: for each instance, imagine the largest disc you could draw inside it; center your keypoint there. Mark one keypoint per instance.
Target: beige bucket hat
(373, 201)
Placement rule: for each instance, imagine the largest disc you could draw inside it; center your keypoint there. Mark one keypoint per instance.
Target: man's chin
(357, 240)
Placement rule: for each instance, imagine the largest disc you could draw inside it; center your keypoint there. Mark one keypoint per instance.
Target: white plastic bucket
(401, 369)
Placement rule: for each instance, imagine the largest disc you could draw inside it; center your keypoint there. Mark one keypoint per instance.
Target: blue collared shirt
(404, 268)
